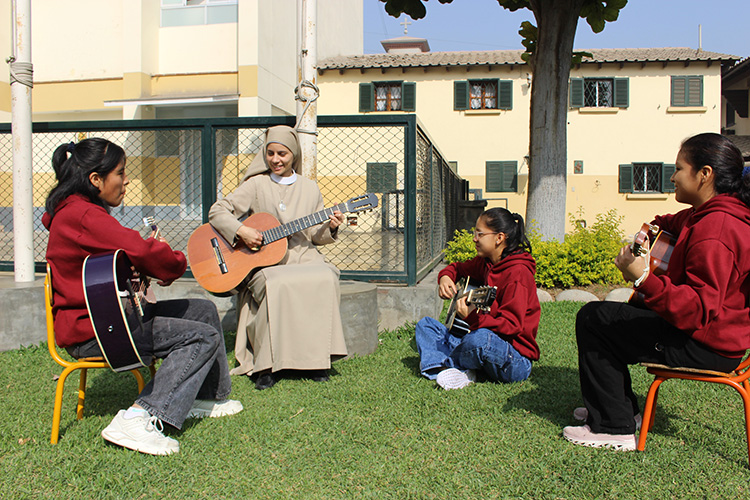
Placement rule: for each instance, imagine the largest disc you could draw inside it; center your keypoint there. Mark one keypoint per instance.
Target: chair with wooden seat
(738, 379)
(69, 367)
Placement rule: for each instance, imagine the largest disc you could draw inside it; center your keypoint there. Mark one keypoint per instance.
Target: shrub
(584, 258)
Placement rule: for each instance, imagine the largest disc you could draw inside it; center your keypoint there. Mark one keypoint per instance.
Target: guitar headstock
(482, 297)
(642, 238)
(360, 203)
(150, 222)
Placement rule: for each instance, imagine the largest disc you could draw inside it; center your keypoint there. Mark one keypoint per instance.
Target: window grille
(647, 177)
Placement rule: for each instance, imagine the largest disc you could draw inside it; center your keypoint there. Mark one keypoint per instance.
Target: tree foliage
(549, 53)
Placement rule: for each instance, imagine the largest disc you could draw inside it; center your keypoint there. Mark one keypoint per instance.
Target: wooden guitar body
(239, 260)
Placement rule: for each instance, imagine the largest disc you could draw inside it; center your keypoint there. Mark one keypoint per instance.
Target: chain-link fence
(177, 168)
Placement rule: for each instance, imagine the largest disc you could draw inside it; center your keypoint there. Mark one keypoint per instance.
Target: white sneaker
(452, 378)
(207, 408)
(582, 413)
(582, 435)
(141, 433)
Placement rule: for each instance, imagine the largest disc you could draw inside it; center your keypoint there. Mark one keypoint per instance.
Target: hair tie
(71, 147)
(745, 171)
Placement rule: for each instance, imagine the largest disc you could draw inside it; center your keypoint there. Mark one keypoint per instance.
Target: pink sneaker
(582, 413)
(582, 435)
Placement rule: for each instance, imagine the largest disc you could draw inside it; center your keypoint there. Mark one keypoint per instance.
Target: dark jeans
(613, 335)
(188, 337)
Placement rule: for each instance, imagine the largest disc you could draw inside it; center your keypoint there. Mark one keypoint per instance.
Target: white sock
(133, 412)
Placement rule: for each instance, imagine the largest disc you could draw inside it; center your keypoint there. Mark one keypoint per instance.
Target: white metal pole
(307, 91)
(21, 81)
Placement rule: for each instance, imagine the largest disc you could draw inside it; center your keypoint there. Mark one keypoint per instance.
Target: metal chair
(738, 379)
(69, 367)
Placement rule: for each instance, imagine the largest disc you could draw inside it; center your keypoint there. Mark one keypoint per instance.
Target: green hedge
(585, 257)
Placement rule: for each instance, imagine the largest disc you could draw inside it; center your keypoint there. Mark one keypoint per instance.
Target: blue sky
(484, 25)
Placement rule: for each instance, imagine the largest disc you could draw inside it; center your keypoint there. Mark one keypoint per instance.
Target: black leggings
(613, 335)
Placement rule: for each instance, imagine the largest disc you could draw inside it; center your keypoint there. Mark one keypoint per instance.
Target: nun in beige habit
(289, 313)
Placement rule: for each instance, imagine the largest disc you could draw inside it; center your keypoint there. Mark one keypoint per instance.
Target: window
(730, 115)
(381, 177)
(646, 178)
(501, 176)
(483, 94)
(599, 92)
(387, 96)
(197, 12)
(687, 91)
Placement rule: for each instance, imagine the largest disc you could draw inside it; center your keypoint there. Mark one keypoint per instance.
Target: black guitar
(114, 296)
(480, 297)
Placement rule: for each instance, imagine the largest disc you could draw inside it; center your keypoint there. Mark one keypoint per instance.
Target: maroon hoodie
(514, 316)
(79, 229)
(705, 290)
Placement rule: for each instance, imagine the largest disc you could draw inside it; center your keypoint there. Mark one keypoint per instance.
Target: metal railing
(178, 168)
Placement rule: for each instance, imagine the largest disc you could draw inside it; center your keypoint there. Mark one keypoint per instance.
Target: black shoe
(265, 380)
(319, 375)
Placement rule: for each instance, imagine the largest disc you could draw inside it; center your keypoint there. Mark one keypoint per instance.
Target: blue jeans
(188, 337)
(480, 350)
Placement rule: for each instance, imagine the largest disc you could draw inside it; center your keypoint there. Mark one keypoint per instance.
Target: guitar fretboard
(297, 225)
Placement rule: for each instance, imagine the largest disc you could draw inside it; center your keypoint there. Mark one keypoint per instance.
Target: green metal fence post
(410, 198)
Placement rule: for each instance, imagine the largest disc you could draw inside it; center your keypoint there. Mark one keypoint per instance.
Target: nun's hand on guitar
(629, 265)
(446, 288)
(251, 237)
(337, 218)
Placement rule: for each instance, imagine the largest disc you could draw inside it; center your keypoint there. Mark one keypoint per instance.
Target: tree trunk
(545, 204)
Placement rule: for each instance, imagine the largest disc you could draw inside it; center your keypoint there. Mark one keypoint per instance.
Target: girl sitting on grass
(501, 343)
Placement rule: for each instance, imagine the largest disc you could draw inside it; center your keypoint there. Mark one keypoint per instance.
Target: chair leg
(58, 404)
(648, 412)
(139, 378)
(81, 393)
(746, 404)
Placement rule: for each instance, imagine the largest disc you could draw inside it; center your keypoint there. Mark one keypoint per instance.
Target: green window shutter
(679, 91)
(667, 170)
(381, 177)
(622, 93)
(576, 92)
(408, 96)
(501, 176)
(461, 95)
(505, 94)
(694, 91)
(366, 97)
(626, 178)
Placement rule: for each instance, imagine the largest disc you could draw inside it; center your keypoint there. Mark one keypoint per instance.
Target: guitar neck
(297, 225)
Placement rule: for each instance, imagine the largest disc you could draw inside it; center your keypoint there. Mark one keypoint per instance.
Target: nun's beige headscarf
(284, 135)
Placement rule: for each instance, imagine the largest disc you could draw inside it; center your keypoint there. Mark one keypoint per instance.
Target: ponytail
(500, 220)
(73, 163)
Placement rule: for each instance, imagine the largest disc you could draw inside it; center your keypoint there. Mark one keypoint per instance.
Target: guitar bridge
(219, 256)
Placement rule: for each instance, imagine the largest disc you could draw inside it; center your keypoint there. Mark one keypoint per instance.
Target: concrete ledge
(22, 316)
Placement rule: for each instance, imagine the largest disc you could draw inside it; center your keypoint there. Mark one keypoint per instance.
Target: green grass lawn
(376, 430)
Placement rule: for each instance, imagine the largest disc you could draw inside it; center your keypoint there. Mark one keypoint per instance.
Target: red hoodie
(79, 229)
(705, 290)
(514, 316)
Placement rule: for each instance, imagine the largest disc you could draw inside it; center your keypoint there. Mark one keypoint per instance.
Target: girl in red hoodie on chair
(499, 344)
(696, 313)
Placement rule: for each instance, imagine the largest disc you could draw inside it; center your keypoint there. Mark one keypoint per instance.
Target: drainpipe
(307, 92)
(21, 82)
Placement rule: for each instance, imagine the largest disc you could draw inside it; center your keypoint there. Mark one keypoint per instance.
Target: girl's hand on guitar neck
(251, 237)
(462, 309)
(446, 288)
(629, 265)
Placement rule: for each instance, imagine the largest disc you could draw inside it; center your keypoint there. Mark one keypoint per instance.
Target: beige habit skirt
(289, 318)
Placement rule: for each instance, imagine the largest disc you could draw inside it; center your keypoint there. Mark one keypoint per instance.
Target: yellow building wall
(649, 130)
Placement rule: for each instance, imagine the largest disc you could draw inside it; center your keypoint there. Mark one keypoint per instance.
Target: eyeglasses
(479, 234)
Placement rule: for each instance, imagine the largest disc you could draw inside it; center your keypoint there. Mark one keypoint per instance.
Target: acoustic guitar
(480, 297)
(657, 246)
(114, 295)
(223, 269)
